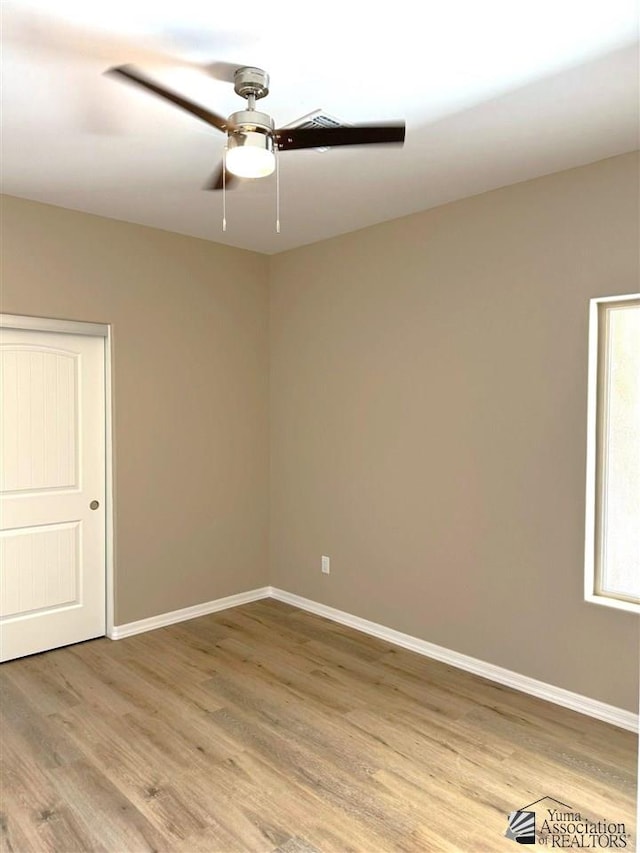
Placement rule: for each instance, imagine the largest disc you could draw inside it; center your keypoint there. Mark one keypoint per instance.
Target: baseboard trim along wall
(119, 632)
(558, 695)
(576, 702)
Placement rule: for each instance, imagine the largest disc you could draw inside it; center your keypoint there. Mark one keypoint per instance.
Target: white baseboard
(575, 701)
(118, 632)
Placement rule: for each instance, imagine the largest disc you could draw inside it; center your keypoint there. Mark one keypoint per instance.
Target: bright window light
(612, 555)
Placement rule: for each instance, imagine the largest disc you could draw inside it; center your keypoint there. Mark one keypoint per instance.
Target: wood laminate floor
(264, 728)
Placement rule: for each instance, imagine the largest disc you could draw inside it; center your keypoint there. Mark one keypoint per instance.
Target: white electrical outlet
(326, 565)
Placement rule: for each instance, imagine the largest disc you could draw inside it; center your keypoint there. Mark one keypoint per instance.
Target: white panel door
(52, 490)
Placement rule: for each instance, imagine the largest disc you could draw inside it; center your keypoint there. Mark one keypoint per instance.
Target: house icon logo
(521, 825)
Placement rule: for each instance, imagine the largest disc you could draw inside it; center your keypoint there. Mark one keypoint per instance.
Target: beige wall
(428, 400)
(427, 413)
(190, 333)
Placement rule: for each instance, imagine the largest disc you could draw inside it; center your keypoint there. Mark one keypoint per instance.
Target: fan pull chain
(277, 189)
(224, 189)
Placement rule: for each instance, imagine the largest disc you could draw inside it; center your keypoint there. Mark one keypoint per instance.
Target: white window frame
(592, 592)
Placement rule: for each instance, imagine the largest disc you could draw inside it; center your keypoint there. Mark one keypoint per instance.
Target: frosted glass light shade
(250, 154)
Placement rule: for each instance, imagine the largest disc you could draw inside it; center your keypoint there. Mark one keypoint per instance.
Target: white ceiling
(492, 93)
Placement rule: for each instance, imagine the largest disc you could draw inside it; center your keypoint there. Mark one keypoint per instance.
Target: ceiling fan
(252, 138)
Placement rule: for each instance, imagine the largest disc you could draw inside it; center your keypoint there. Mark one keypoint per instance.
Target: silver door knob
(94, 504)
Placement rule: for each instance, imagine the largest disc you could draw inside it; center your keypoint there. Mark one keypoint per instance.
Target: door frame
(99, 330)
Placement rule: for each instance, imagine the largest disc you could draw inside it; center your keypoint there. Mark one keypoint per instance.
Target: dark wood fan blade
(129, 73)
(215, 182)
(321, 137)
(224, 71)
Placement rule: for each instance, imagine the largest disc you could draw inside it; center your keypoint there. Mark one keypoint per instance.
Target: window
(612, 543)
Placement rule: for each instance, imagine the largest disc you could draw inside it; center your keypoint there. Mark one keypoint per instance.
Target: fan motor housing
(250, 120)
